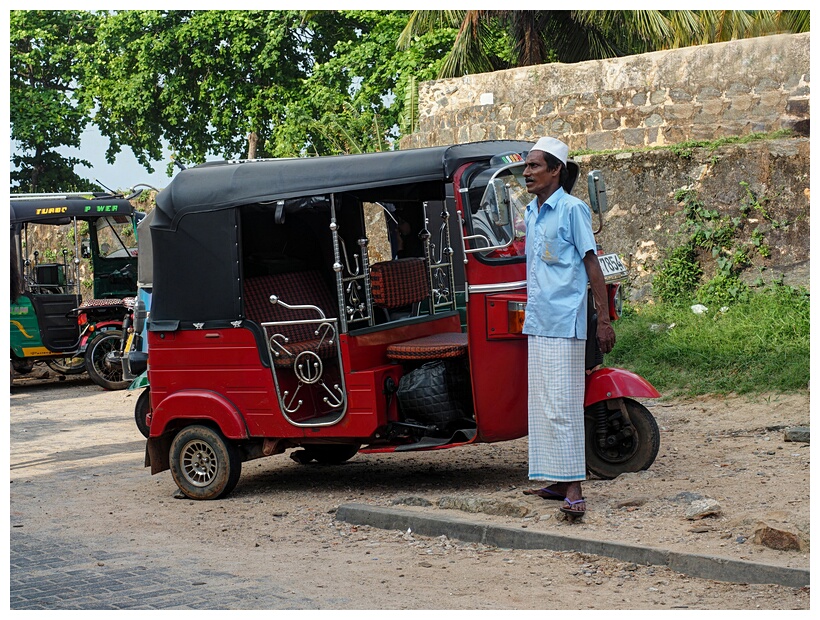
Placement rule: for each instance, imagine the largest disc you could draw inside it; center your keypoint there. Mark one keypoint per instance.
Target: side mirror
(597, 196)
(85, 248)
(597, 192)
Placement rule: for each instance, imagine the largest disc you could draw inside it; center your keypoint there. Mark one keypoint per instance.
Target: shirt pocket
(553, 248)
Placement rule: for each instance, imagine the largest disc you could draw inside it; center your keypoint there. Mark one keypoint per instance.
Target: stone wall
(618, 107)
(661, 98)
(769, 179)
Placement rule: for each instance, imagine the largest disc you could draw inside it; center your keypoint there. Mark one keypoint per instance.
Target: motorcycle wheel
(141, 410)
(102, 372)
(632, 454)
(68, 365)
(331, 454)
(203, 463)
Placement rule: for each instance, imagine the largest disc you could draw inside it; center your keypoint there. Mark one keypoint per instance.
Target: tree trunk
(253, 139)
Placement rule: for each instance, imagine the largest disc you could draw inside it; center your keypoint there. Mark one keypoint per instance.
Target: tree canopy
(44, 109)
(238, 84)
(493, 40)
(293, 82)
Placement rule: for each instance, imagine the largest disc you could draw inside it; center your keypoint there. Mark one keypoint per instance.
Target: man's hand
(606, 335)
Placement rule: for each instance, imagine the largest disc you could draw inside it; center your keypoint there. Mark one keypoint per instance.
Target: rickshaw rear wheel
(204, 464)
(331, 454)
(141, 410)
(631, 454)
(104, 374)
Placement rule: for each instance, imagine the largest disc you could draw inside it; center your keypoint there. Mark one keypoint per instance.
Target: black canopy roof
(52, 209)
(219, 185)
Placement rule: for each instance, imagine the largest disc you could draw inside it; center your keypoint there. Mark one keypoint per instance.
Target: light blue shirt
(559, 234)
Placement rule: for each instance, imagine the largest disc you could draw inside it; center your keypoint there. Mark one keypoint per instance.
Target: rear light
(82, 319)
(515, 316)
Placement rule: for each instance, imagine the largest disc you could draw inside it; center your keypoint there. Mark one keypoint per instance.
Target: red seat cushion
(437, 346)
(398, 283)
(295, 289)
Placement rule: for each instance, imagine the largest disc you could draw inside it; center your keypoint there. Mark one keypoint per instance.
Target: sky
(124, 173)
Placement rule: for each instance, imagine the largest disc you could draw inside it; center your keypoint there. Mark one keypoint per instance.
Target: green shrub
(678, 277)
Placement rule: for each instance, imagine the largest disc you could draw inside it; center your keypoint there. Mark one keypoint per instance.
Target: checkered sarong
(556, 409)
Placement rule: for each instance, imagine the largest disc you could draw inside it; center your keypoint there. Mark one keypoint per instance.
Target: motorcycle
(104, 357)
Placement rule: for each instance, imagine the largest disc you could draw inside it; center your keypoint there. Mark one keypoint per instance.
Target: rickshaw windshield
(114, 235)
(498, 219)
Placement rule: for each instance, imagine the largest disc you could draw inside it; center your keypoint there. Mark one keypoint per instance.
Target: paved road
(59, 564)
(60, 573)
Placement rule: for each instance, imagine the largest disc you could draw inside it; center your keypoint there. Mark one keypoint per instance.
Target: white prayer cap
(553, 147)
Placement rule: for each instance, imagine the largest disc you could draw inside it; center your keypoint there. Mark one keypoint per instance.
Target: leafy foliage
(200, 80)
(289, 83)
(491, 40)
(44, 111)
(317, 82)
(707, 233)
(353, 101)
(678, 277)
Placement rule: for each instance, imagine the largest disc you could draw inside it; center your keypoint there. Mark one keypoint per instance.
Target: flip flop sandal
(545, 493)
(569, 510)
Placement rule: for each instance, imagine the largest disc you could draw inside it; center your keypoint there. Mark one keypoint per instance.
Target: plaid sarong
(556, 409)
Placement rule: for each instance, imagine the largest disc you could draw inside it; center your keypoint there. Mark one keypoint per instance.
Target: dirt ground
(76, 469)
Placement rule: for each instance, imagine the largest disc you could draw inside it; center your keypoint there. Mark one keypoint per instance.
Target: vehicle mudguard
(139, 382)
(102, 326)
(608, 383)
(199, 405)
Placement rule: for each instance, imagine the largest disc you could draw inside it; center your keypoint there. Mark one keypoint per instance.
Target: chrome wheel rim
(199, 463)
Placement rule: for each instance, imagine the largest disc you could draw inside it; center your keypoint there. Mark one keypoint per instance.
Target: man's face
(540, 181)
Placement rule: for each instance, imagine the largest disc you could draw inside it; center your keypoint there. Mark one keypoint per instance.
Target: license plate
(612, 266)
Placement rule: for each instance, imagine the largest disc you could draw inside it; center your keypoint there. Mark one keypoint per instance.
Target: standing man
(561, 260)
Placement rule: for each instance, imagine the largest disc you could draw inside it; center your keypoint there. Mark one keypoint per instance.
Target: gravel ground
(76, 470)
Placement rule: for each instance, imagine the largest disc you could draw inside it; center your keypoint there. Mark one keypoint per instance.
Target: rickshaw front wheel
(141, 410)
(625, 454)
(204, 464)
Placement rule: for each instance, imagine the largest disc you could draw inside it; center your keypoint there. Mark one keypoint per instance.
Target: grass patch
(759, 345)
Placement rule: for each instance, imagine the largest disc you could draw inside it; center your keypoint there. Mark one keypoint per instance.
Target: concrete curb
(705, 566)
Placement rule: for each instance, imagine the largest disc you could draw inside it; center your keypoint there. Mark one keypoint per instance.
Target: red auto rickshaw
(276, 324)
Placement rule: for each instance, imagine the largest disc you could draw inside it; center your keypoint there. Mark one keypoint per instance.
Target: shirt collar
(550, 202)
